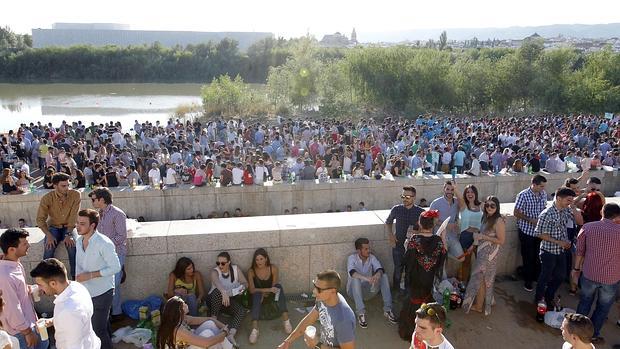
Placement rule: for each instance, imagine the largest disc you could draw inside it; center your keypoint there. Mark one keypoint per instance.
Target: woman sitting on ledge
(175, 331)
(266, 291)
(186, 282)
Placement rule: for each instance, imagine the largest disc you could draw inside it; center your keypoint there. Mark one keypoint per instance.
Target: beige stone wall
(308, 196)
(301, 245)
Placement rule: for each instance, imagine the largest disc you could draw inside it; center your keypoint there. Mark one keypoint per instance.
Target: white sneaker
(253, 336)
(231, 336)
(288, 328)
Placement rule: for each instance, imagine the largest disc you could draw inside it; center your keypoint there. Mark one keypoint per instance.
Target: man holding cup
(73, 307)
(18, 317)
(331, 309)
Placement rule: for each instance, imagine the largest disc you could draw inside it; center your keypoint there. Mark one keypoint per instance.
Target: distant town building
(102, 34)
(339, 40)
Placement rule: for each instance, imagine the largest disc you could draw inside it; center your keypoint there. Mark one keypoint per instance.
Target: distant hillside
(594, 31)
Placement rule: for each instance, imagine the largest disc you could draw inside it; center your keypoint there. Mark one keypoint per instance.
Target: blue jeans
(40, 344)
(116, 302)
(192, 303)
(257, 302)
(606, 297)
(552, 272)
(361, 290)
(59, 235)
(398, 255)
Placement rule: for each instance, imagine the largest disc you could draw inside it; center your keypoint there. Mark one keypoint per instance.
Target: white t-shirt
(567, 345)
(237, 176)
(420, 344)
(6, 339)
(155, 175)
(170, 176)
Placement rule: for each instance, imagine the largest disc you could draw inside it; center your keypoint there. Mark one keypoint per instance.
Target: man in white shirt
(171, 176)
(260, 173)
(577, 331)
(73, 307)
(154, 175)
(430, 321)
(367, 278)
(237, 174)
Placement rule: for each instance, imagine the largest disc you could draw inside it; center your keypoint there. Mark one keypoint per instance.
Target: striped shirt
(113, 224)
(553, 221)
(531, 204)
(599, 244)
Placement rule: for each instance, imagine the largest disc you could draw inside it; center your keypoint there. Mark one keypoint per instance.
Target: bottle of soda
(446, 298)
(541, 310)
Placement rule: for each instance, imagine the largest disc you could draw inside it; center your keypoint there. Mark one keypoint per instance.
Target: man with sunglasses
(331, 309)
(430, 322)
(406, 215)
(113, 224)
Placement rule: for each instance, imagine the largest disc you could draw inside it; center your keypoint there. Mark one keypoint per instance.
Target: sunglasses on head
(218, 263)
(318, 289)
(408, 197)
(428, 310)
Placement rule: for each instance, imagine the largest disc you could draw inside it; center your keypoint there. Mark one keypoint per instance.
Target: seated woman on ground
(266, 290)
(175, 331)
(227, 283)
(186, 282)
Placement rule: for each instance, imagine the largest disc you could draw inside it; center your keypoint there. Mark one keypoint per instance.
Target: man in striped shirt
(598, 263)
(113, 224)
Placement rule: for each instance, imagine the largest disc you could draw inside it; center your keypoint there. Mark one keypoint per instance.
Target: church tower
(353, 37)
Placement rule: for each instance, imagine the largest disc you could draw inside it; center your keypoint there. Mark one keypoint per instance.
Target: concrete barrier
(301, 245)
(186, 201)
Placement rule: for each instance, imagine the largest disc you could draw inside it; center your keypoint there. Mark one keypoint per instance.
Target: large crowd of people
(238, 152)
(566, 239)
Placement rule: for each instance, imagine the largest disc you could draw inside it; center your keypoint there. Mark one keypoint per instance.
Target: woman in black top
(80, 179)
(111, 177)
(265, 288)
(424, 260)
(47, 179)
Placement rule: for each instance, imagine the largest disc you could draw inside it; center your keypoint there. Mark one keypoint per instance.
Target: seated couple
(228, 285)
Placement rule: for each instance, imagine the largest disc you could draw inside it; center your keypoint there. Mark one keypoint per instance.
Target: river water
(99, 103)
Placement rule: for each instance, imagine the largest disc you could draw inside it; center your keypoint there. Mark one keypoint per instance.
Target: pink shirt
(18, 313)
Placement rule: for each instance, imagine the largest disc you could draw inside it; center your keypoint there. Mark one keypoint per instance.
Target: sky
(318, 17)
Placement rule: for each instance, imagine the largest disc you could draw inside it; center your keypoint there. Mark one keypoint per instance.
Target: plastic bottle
(446, 298)
(541, 310)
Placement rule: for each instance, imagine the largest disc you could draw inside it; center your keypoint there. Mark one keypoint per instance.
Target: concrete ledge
(302, 245)
(186, 200)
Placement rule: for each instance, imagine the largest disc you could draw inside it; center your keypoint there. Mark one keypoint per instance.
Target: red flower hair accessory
(431, 214)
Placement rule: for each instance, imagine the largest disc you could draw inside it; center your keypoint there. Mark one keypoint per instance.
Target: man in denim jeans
(57, 216)
(367, 278)
(598, 264)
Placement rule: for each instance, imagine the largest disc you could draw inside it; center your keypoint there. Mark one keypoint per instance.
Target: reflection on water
(97, 103)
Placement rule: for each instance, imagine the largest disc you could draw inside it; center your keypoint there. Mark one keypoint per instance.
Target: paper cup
(311, 331)
(42, 329)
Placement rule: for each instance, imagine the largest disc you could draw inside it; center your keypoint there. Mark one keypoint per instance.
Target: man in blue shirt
(96, 264)
(459, 160)
(367, 278)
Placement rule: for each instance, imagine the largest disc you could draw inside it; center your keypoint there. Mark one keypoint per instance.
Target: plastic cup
(311, 331)
(34, 291)
(42, 329)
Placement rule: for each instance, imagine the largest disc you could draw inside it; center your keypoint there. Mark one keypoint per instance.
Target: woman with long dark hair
(470, 223)
(424, 260)
(187, 282)
(227, 283)
(175, 331)
(265, 288)
(479, 294)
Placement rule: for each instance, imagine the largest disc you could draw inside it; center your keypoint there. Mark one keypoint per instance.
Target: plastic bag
(555, 318)
(138, 337)
(131, 307)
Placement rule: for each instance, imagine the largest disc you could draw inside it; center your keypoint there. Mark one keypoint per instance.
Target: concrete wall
(308, 196)
(301, 245)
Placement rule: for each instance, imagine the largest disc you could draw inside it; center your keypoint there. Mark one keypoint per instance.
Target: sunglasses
(220, 263)
(318, 289)
(490, 205)
(408, 197)
(93, 199)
